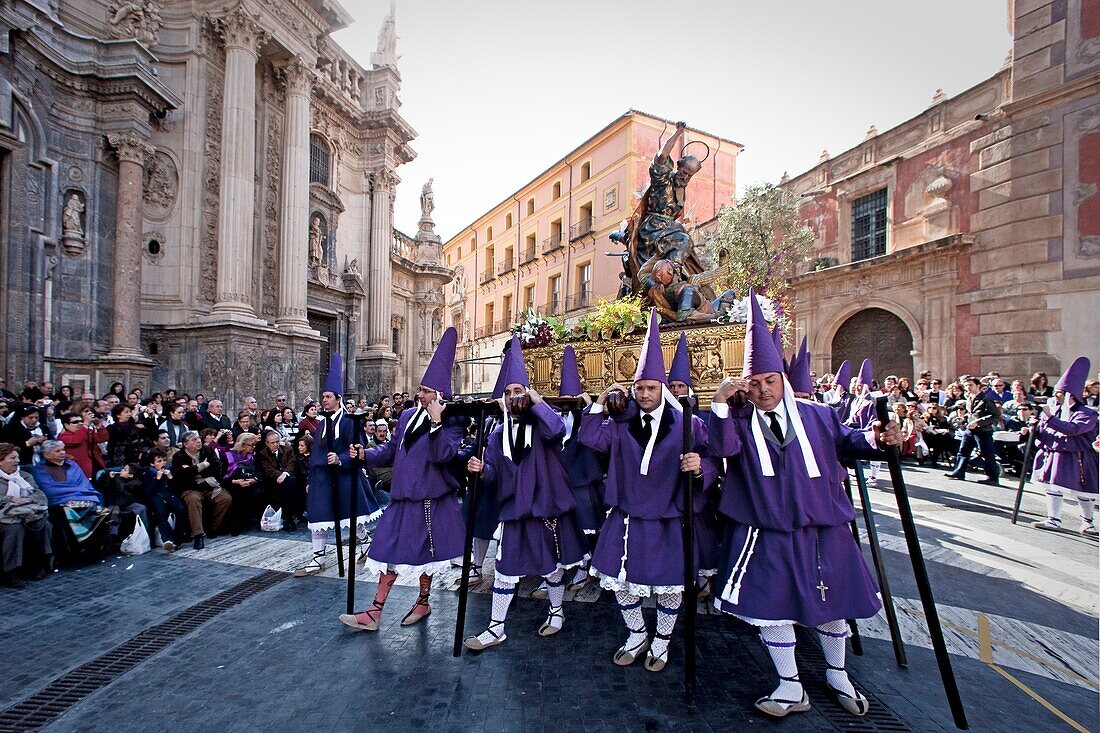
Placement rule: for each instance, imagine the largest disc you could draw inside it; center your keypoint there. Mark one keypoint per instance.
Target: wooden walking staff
(357, 475)
(920, 574)
(880, 567)
(687, 481)
(479, 412)
(857, 641)
(1025, 469)
(334, 484)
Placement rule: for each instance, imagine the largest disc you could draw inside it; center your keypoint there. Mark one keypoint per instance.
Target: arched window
(320, 161)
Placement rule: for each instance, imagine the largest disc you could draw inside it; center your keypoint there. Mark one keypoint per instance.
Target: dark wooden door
(878, 335)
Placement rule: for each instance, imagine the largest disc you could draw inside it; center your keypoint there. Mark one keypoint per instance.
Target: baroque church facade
(199, 194)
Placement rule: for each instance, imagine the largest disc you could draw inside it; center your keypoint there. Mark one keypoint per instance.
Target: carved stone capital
(130, 146)
(384, 181)
(241, 29)
(297, 76)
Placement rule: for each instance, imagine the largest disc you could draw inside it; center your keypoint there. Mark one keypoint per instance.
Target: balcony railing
(529, 254)
(582, 299)
(505, 267)
(503, 325)
(551, 244)
(487, 275)
(553, 308)
(480, 332)
(581, 228)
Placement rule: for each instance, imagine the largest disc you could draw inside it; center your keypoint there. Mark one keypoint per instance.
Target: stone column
(132, 149)
(294, 224)
(242, 36)
(379, 295)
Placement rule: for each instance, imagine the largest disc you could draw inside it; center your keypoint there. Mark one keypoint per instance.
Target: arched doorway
(878, 335)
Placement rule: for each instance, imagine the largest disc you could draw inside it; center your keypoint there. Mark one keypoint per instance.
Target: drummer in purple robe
(1066, 461)
(329, 463)
(421, 530)
(640, 549)
(788, 555)
(539, 532)
(585, 466)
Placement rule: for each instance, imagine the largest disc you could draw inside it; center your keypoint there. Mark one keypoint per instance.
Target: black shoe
(955, 476)
(990, 482)
(8, 580)
(199, 542)
(42, 574)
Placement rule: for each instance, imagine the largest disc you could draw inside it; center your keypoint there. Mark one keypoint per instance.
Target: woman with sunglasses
(82, 436)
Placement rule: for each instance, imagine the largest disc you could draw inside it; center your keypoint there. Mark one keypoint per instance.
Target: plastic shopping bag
(272, 519)
(138, 541)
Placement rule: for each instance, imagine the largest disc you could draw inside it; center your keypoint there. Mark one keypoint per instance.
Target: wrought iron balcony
(487, 275)
(581, 228)
(529, 254)
(505, 267)
(552, 244)
(582, 299)
(480, 332)
(553, 308)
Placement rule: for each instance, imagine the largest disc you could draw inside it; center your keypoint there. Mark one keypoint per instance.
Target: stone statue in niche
(316, 241)
(72, 225)
(353, 267)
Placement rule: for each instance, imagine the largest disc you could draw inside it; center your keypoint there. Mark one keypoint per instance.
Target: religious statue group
(578, 490)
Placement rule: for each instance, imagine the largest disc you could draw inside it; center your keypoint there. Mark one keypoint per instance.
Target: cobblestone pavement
(1020, 608)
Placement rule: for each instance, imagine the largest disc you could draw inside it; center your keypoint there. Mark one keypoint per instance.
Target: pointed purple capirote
(334, 382)
(570, 377)
(438, 374)
(680, 371)
(761, 355)
(866, 373)
(799, 374)
(777, 337)
(651, 362)
(513, 370)
(843, 374)
(1073, 381)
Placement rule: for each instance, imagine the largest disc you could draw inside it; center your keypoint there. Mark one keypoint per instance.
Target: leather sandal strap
(662, 637)
(790, 679)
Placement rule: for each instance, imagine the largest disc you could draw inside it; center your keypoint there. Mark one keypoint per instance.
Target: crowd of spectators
(946, 424)
(77, 472)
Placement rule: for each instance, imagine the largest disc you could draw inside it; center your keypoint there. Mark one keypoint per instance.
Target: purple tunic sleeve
(723, 439)
(443, 444)
(1079, 423)
(549, 424)
(492, 457)
(595, 431)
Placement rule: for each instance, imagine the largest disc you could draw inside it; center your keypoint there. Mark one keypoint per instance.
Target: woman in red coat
(82, 441)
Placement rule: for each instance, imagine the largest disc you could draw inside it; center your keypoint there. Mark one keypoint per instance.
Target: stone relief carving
(211, 183)
(241, 29)
(73, 224)
(161, 185)
(272, 173)
(139, 19)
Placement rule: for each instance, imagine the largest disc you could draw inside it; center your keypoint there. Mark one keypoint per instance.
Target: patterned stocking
(502, 598)
(832, 636)
(668, 608)
(555, 591)
(780, 641)
(631, 608)
(1086, 501)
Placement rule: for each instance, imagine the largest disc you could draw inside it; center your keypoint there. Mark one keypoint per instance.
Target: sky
(499, 90)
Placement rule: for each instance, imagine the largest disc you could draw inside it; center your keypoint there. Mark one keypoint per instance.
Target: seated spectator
(242, 484)
(274, 423)
(1092, 393)
(303, 447)
(174, 424)
(275, 465)
(82, 436)
(195, 480)
(192, 417)
(906, 390)
(24, 526)
(309, 422)
(24, 432)
(81, 507)
(116, 390)
(215, 416)
(4, 392)
(368, 433)
(1018, 398)
(123, 492)
(124, 443)
(938, 434)
(1000, 391)
(290, 424)
(243, 424)
(156, 482)
(1040, 388)
(162, 443)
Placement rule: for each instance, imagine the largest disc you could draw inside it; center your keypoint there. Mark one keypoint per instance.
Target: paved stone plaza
(278, 659)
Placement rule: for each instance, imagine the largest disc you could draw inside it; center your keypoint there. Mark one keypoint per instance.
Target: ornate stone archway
(876, 334)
